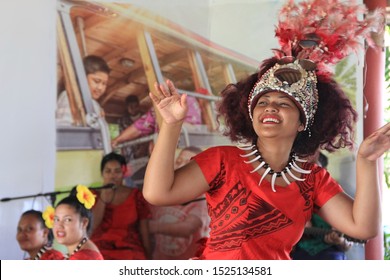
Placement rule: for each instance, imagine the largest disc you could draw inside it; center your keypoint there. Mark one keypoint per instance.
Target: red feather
(325, 31)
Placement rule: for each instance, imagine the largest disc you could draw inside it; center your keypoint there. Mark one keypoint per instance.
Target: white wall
(27, 82)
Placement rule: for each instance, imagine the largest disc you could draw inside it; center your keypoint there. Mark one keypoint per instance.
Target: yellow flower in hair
(85, 196)
(48, 216)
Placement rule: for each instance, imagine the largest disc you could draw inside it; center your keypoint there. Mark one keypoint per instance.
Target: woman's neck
(74, 248)
(276, 154)
(33, 253)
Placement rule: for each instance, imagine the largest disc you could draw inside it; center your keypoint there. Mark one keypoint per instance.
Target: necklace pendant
(273, 181)
(269, 171)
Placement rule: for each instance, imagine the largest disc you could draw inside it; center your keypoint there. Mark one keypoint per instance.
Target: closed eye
(261, 103)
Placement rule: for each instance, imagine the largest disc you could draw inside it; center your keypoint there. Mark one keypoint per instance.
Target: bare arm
(180, 229)
(130, 133)
(98, 213)
(361, 218)
(105, 196)
(163, 185)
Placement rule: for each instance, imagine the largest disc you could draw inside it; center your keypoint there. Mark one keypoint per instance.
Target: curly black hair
(333, 125)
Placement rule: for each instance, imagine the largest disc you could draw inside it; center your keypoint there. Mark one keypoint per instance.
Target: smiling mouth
(270, 120)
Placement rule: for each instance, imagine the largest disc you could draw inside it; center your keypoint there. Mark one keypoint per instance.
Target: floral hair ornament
(85, 196)
(48, 216)
(313, 35)
(125, 170)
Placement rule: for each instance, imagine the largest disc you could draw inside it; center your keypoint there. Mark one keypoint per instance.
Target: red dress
(52, 255)
(86, 254)
(117, 237)
(49, 254)
(249, 221)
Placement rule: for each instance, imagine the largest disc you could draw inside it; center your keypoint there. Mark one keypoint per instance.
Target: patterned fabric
(117, 237)
(169, 247)
(86, 254)
(249, 221)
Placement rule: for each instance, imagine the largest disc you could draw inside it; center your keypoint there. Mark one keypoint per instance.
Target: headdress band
(295, 78)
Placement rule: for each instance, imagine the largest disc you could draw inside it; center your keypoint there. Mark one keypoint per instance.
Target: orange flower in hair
(48, 216)
(85, 196)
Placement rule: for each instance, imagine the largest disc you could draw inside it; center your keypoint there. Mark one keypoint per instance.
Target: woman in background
(35, 237)
(121, 215)
(72, 223)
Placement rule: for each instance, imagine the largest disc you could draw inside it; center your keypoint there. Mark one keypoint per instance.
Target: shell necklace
(40, 253)
(82, 242)
(268, 170)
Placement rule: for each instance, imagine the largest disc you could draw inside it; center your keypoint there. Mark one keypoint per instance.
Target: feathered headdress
(325, 31)
(313, 35)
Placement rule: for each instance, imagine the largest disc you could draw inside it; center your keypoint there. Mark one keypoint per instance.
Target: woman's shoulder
(218, 154)
(223, 149)
(52, 254)
(87, 254)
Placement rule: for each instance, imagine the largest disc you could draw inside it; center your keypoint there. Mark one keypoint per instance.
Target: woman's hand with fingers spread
(171, 106)
(375, 145)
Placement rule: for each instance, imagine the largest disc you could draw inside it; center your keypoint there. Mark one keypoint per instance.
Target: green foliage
(386, 242)
(345, 76)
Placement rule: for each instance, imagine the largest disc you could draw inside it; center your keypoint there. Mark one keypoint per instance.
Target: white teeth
(271, 120)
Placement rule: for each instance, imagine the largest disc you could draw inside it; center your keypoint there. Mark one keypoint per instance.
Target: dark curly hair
(72, 201)
(333, 126)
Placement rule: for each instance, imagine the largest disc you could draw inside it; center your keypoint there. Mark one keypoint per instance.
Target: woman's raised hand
(375, 145)
(171, 106)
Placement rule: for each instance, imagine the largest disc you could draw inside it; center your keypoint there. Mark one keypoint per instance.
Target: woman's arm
(104, 196)
(361, 218)
(130, 133)
(98, 213)
(163, 185)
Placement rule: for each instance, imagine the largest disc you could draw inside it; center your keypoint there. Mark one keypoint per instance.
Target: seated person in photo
(133, 112)
(147, 125)
(35, 238)
(178, 230)
(72, 222)
(322, 243)
(121, 215)
(97, 72)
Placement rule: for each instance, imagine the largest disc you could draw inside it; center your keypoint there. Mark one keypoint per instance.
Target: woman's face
(31, 234)
(112, 173)
(69, 228)
(133, 108)
(97, 83)
(275, 114)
